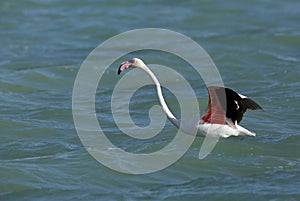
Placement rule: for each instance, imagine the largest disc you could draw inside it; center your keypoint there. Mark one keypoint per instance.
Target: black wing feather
(236, 106)
(247, 103)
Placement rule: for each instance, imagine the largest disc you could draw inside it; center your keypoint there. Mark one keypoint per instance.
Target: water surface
(255, 46)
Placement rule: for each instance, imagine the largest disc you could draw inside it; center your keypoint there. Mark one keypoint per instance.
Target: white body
(215, 130)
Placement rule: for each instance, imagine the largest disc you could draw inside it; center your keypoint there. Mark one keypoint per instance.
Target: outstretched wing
(216, 108)
(226, 102)
(237, 105)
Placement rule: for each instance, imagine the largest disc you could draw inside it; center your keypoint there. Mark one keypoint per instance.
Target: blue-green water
(255, 45)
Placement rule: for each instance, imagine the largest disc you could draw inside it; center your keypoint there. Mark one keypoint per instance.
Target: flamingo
(224, 111)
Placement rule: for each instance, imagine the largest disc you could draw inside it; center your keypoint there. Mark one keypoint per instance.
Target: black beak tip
(119, 71)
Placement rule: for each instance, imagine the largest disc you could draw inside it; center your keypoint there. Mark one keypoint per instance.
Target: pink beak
(124, 65)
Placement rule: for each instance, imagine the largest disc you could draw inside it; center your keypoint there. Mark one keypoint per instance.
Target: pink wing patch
(216, 109)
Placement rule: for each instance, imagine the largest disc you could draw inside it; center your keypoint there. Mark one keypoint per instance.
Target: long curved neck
(162, 101)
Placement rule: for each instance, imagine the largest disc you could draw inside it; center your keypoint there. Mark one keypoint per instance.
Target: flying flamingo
(218, 119)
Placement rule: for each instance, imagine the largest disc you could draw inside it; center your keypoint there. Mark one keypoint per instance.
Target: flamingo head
(135, 62)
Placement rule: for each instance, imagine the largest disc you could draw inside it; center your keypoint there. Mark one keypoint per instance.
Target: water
(255, 45)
